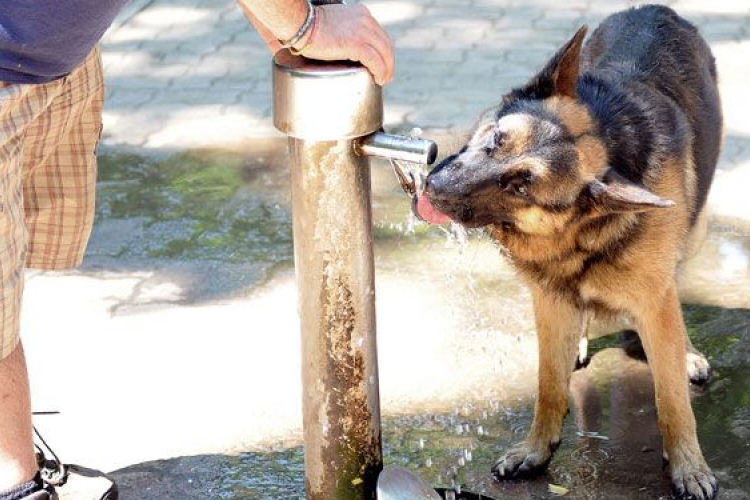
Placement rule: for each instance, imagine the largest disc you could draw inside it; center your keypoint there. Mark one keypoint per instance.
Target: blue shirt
(42, 40)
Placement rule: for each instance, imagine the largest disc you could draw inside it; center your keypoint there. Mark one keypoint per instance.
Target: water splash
(457, 237)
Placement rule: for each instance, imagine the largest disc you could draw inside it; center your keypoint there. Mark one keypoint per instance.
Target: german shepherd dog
(591, 177)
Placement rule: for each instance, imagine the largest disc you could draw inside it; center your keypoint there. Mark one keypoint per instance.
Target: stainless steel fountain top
(324, 101)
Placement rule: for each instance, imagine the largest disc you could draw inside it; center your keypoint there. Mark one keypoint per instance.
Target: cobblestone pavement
(183, 73)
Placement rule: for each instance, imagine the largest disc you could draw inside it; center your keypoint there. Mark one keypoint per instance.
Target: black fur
(645, 71)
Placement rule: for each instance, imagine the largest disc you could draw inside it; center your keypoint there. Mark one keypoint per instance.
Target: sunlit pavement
(149, 359)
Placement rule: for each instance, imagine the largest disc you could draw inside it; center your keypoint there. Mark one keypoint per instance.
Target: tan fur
(518, 129)
(535, 220)
(592, 155)
(573, 115)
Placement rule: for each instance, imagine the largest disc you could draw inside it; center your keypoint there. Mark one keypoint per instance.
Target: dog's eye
(497, 141)
(517, 185)
(499, 138)
(519, 189)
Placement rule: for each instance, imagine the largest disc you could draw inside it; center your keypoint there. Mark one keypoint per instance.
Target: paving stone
(128, 98)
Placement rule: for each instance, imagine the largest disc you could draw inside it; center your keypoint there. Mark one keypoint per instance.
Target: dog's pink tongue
(428, 212)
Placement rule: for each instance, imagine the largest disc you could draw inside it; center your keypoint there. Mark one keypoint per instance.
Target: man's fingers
(376, 51)
(373, 61)
(381, 43)
(350, 32)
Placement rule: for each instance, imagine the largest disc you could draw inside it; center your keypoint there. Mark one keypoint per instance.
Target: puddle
(222, 209)
(226, 216)
(611, 444)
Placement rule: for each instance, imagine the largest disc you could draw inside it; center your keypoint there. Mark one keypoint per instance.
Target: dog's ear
(616, 194)
(560, 75)
(563, 68)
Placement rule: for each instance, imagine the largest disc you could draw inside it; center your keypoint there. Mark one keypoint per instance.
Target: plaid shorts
(48, 139)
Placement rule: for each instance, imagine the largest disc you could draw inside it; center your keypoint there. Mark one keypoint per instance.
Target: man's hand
(342, 32)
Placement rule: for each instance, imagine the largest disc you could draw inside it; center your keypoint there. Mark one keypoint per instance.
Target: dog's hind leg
(558, 324)
(698, 368)
(662, 332)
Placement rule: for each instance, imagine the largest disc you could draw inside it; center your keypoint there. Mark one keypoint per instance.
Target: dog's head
(534, 162)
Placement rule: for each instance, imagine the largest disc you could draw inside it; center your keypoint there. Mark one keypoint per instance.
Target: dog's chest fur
(575, 262)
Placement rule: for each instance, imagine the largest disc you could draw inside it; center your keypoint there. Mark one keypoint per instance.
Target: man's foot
(41, 495)
(72, 482)
(85, 484)
(34, 489)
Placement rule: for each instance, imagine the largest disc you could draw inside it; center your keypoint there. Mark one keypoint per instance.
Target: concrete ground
(142, 368)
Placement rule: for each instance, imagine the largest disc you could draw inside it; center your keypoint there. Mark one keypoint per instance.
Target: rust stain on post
(333, 251)
(353, 441)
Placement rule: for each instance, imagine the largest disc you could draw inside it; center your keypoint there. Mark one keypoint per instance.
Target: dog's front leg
(662, 333)
(558, 324)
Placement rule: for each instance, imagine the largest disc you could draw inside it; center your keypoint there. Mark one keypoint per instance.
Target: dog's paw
(694, 484)
(523, 461)
(698, 368)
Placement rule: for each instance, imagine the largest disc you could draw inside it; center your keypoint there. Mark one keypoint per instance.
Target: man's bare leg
(17, 459)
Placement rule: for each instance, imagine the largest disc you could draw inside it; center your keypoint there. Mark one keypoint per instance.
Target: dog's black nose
(429, 183)
(439, 179)
(435, 184)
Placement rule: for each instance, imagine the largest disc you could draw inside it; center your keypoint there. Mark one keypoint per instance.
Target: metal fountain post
(333, 114)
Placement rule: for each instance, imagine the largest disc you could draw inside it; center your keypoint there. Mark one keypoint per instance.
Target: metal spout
(397, 147)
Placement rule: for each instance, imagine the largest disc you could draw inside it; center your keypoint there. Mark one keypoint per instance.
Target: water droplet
(415, 133)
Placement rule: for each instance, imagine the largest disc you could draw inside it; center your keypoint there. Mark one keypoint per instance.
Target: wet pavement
(177, 368)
